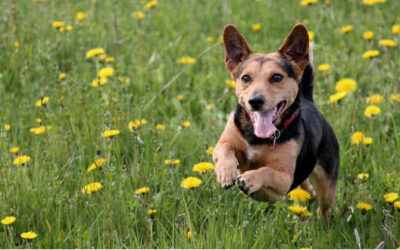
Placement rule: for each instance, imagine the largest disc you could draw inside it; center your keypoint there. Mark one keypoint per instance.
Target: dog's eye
(276, 78)
(246, 78)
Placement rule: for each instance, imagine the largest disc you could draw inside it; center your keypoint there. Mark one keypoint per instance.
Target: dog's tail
(307, 81)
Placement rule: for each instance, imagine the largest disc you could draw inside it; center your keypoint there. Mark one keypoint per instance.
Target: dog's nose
(256, 102)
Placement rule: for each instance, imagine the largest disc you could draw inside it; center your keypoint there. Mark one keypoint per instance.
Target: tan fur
(264, 168)
(325, 192)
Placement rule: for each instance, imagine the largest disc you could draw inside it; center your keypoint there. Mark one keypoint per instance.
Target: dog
(276, 138)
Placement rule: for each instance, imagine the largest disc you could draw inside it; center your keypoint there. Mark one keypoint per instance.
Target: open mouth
(263, 120)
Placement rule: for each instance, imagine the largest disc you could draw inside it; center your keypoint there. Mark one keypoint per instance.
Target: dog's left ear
(295, 46)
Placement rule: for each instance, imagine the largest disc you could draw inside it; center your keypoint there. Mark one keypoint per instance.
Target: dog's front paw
(226, 174)
(248, 182)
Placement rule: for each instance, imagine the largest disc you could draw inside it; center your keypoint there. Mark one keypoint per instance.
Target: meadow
(106, 106)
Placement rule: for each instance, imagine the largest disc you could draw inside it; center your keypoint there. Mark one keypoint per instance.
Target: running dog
(276, 138)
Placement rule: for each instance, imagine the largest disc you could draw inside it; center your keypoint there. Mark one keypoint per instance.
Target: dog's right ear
(236, 47)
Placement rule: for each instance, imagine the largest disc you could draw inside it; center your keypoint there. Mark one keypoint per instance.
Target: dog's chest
(256, 156)
(252, 157)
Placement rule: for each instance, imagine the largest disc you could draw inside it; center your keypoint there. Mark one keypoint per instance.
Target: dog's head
(266, 84)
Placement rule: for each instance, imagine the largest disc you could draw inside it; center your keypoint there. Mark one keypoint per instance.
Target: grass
(45, 194)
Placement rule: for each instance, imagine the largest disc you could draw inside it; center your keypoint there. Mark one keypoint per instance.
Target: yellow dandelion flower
(210, 39)
(370, 54)
(306, 214)
(8, 220)
(362, 176)
(308, 2)
(160, 127)
(69, 27)
(210, 150)
(110, 59)
(387, 43)
(299, 194)
(14, 150)
(310, 35)
(364, 207)
(62, 76)
(179, 97)
(111, 133)
(346, 84)
(106, 72)
(337, 97)
(203, 167)
(346, 29)
(186, 60)
(57, 24)
(256, 27)
(297, 209)
(357, 137)
(124, 79)
(397, 204)
(102, 57)
(80, 16)
(40, 130)
(368, 35)
(391, 197)
(38, 120)
(396, 29)
(395, 97)
(94, 52)
(189, 235)
(190, 182)
(7, 127)
(135, 124)
(151, 212)
(372, 110)
(231, 84)
(375, 99)
(209, 106)
(21, 160)
(1, 75)
(186, 124)
(138, 15)
(99, 81)
(142, 190)
(29, 235)
(96, 164)
(17, 44)
(324, 67)
(150, 5)
(91, 187)
(172, 162)
(372, 2)
(367, 140)
(42, 102)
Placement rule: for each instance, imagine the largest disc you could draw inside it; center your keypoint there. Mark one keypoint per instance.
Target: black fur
(319, 143)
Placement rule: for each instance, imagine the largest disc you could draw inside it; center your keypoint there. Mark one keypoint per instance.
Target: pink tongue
(263, 127)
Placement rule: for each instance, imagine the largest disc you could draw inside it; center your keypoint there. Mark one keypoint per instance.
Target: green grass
(45, 194)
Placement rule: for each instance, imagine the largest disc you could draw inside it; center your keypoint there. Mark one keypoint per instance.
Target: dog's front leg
(276, 182)
(225, 164)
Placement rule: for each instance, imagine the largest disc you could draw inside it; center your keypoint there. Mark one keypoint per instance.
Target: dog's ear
(295, 46)
(236, 47)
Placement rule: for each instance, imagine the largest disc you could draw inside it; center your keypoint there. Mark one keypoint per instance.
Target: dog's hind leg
(306, 186)
(326, 191)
